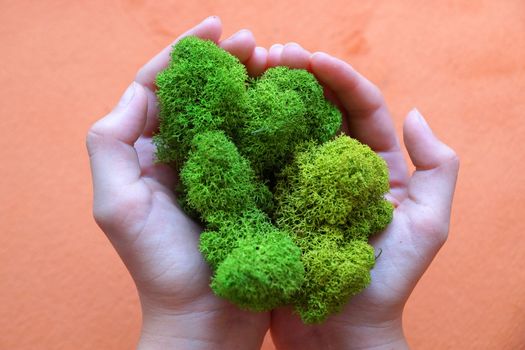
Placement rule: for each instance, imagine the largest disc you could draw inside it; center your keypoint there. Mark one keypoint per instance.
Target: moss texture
(287, 207)
(285, 107)
(331, 198)
(203, 89)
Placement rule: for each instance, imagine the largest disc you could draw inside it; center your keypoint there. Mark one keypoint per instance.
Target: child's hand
(135, 207)
(423, 201)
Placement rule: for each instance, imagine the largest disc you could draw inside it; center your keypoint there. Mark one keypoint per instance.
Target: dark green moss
(241, 245)
(217, 244)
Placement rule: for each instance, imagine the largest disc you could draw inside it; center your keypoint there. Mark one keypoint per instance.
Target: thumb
(110, 143)
(431, 187)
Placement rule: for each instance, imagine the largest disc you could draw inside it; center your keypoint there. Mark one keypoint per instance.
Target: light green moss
(331, 198)
(335, 271)
(339, 183)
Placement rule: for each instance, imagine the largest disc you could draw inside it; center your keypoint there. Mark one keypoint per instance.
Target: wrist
(388, 335)
(343, 335)
(201, 328)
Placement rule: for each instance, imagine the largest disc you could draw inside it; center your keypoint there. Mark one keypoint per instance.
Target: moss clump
(257, 266)
(331, 198)
(263, 272)
(218, 181)
(287, 208)
(286, 107)
(340, 184)
(202, 89)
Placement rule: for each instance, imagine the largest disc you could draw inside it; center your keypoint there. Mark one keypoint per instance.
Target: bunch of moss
(287, 206)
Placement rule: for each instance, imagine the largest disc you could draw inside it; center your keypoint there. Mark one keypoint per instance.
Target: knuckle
(92, 139)
(95, 136)
(106, 213)
(120, 211)
(111, 214)
(450, 158)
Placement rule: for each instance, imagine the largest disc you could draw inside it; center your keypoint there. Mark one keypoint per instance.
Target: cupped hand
(373, 318)
(134, 205)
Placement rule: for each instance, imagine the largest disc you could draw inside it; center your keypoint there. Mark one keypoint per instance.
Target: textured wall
(65, 63)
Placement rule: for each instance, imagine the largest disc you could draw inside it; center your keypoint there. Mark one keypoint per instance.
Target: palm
(162, 240)
(166, 264)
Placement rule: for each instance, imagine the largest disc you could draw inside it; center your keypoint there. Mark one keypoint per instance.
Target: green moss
(339, 183)
(331, 198)
(244, 249)
(217, 244)
(335, 271)
(287, 208)
(261, 273)
(218, 182)
(285, 107)
(202, 89)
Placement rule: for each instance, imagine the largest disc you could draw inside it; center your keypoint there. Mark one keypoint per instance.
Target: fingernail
(421, 119)
(210, 18)
(239, 33)
(128, 95)
(291, 43)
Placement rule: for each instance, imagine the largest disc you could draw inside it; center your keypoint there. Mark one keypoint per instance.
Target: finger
(294, 56)
(256, 64)
(432, 185)
(369, 120)
(240, 44)
(152, 120)
(274, 55)
(209, 29)
(114, 161)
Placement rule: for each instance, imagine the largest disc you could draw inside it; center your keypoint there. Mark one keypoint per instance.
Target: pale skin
(135, 207)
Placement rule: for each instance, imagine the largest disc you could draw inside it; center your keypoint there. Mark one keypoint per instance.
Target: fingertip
(210, 28)
(319, 56)
(324, 67)
(213, 18)
(320, 60)
(295, 56)
(425, 150)
(240, 44)
(257, 62)
(127, 120)
(274, 55)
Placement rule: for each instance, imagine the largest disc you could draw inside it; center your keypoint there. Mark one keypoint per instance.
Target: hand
(135, 207)
(373, 319)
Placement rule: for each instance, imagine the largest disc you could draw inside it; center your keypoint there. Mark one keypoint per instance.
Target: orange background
(63, 64)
